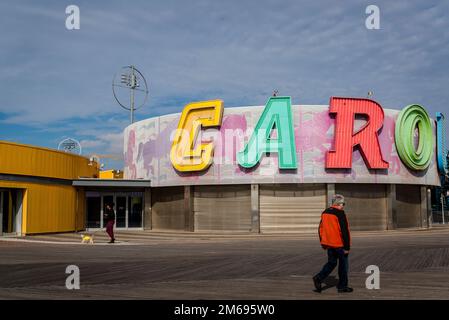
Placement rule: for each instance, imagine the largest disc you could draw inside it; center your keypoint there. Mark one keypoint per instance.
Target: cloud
(92, 143)
(59, 80)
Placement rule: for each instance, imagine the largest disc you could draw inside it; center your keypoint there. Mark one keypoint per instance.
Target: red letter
(366, 138)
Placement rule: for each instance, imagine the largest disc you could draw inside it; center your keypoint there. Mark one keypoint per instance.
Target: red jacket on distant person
(334, 229)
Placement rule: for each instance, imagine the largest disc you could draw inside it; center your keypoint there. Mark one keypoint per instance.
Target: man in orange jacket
(336, 238)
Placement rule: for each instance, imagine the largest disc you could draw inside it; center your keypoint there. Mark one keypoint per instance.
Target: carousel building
(274, 168)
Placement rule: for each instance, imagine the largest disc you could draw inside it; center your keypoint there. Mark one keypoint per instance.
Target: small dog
(87, 238)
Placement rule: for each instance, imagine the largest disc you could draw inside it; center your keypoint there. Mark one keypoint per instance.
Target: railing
(437, 217)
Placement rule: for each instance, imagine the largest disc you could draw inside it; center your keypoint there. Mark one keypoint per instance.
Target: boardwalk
(413, 264)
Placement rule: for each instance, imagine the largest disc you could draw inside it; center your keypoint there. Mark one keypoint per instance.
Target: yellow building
(36, 189)
(111, 174)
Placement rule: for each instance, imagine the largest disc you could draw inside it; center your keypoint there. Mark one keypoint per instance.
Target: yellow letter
(183, 155)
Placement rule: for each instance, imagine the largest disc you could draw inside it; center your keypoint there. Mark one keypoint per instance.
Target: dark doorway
(93, 211)
(11, 211)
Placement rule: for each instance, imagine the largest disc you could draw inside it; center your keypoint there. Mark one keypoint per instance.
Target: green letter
(277, 114)
(410, 118)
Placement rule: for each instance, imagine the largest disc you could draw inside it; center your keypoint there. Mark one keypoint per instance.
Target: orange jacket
(334, 229)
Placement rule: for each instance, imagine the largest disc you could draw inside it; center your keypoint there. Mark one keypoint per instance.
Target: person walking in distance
(109, 217)
(336, 239)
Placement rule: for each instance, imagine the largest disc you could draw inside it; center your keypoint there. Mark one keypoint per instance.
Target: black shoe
(317, 283)
(345, 290)
(112, 241)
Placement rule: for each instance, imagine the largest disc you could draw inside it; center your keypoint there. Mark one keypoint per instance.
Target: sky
(55, 83)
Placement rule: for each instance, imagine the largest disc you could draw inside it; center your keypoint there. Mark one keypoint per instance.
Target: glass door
(11, 201)
(1, 212)
(128, 209)
(120, 212)
(93, 208)
(108, 200)
(135, 211)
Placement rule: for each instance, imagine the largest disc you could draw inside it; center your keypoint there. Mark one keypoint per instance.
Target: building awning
(86, 182)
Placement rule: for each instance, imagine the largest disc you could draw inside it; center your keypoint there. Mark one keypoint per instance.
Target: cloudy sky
(56, 83)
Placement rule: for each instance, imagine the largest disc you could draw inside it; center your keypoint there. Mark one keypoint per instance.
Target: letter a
(73, 280)
(372, 281)
(72, 22)
(372, 22)
(276, 115)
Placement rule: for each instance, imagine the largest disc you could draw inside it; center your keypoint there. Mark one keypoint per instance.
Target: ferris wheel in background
(70, 145)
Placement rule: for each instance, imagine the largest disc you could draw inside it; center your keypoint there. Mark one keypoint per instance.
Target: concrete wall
(291, 207)
(226, 208)
(167, 210)
(284, 208)
(408, 206)
(366, 205)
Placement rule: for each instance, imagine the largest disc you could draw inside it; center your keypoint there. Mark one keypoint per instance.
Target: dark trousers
(334, 256)
(110, 228)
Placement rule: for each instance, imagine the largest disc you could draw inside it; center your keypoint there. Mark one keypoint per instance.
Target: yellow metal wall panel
(111, 174)
(49, 208)
(108, 174)
(36, 161)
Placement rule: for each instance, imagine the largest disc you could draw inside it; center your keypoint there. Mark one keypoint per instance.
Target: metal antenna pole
(133, 86)
(130, 79)
(442, 205)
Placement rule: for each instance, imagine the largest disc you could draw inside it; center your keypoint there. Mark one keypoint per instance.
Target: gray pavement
(413, 264)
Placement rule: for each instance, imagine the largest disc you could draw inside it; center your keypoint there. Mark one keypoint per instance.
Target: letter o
(412, 117)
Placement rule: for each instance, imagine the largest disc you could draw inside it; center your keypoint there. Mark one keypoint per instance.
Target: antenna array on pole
(131, 82)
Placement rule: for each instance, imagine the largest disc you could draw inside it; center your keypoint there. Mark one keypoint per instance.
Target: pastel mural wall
(148, 143)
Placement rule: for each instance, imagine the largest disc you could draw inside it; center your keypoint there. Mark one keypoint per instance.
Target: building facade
(274, 168)
(36, 191)
(261, 169)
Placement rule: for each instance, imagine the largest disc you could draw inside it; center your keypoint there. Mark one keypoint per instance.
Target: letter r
(366, 139)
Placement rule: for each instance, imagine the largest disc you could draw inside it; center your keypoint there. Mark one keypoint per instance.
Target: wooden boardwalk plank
(413, 264)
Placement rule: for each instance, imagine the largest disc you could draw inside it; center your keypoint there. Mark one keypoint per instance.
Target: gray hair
(338, 199)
